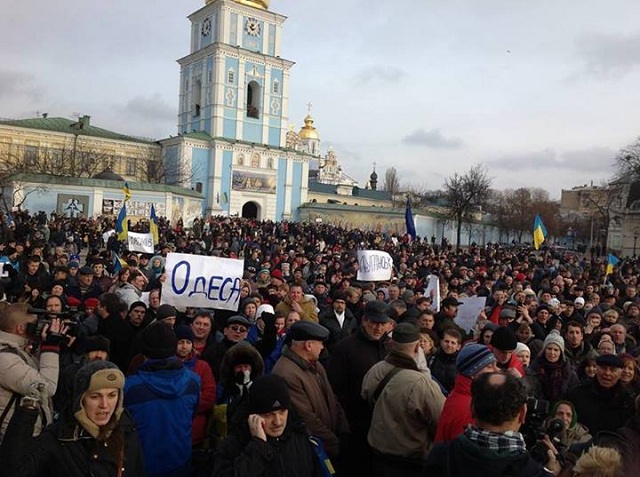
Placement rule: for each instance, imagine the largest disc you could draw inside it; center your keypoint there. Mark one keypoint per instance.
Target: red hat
(277, 274)
(91, 303)
(73, 302)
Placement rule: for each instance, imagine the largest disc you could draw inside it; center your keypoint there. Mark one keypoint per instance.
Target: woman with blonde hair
(599, 462)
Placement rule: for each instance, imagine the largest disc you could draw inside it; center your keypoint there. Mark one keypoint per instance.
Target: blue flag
(408, 219)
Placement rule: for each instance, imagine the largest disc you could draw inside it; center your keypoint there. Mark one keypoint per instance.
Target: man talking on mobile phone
(274, 440)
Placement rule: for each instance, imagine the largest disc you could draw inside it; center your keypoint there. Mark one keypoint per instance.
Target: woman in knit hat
(553, 375)
(97, 438)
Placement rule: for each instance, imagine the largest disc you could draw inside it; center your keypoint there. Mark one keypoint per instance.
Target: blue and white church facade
(232, 143)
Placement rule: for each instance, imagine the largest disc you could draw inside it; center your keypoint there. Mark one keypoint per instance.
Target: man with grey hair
(407, 405)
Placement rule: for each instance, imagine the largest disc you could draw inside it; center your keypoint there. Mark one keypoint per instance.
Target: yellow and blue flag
(153, 225)
(127, 192)
(612, 261)
(118, 262)
(122, 225)
(539, 232)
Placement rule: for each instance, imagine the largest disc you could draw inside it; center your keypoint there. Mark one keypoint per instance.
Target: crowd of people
(316, 373)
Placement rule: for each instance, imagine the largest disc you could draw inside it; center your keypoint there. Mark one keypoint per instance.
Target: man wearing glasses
(235, 331)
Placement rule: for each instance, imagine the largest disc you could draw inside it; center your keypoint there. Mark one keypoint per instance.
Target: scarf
(401, 360)
(551, 377)
(509, 442)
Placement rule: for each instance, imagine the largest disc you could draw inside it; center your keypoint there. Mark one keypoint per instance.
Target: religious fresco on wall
(186, 209)
(254, 182)
(72, 205)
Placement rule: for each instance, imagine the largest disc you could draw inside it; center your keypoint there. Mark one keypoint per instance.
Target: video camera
(44, 318)
(537, 425)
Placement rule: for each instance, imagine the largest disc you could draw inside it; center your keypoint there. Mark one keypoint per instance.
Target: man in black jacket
(603, 404)
(338, 320)
(350, 360)
(493, 446)
(272, 442)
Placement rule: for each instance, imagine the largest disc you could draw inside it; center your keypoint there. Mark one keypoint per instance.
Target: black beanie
(267, 394)
(504, 339)
(159, 341)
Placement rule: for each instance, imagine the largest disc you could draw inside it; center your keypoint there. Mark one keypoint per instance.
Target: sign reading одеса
(140, 242)
(202, 282)
(374, 265)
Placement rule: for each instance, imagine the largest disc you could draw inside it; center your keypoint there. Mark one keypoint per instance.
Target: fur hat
(96, 343)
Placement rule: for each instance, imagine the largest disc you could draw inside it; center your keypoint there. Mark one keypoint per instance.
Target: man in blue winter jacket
(163, 397)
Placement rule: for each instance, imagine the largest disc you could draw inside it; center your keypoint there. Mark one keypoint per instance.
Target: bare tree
(391, 182)
(627, 161)
(466, 194)
(514, 212)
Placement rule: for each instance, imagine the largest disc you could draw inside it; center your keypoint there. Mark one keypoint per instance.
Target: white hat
(521, 347)
(554, 303)
(262, 308)
(578, 300)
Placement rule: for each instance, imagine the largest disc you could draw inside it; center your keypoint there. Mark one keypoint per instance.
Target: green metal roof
(86, 182)
(70, 126)
(202, 135)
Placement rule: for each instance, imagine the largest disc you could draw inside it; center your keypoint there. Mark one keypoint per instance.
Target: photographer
(20, 366)
(493, 446)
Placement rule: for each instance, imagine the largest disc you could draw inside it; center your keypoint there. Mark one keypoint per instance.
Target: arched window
(253, 100)
(197, 97)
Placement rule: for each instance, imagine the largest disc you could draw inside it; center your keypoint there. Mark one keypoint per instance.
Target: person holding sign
(295, 301)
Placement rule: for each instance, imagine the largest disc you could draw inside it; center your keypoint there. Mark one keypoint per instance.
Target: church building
(234, 144)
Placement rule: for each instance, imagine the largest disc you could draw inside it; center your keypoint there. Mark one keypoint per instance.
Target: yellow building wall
(128, 159)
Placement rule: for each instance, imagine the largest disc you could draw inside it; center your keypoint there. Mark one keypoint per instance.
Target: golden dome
(261, 4)
(308, 131)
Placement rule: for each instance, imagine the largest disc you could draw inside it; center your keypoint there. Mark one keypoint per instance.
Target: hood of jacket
(240, 353)
(167, 377)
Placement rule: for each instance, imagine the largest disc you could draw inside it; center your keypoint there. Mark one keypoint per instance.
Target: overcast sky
(543, 92)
